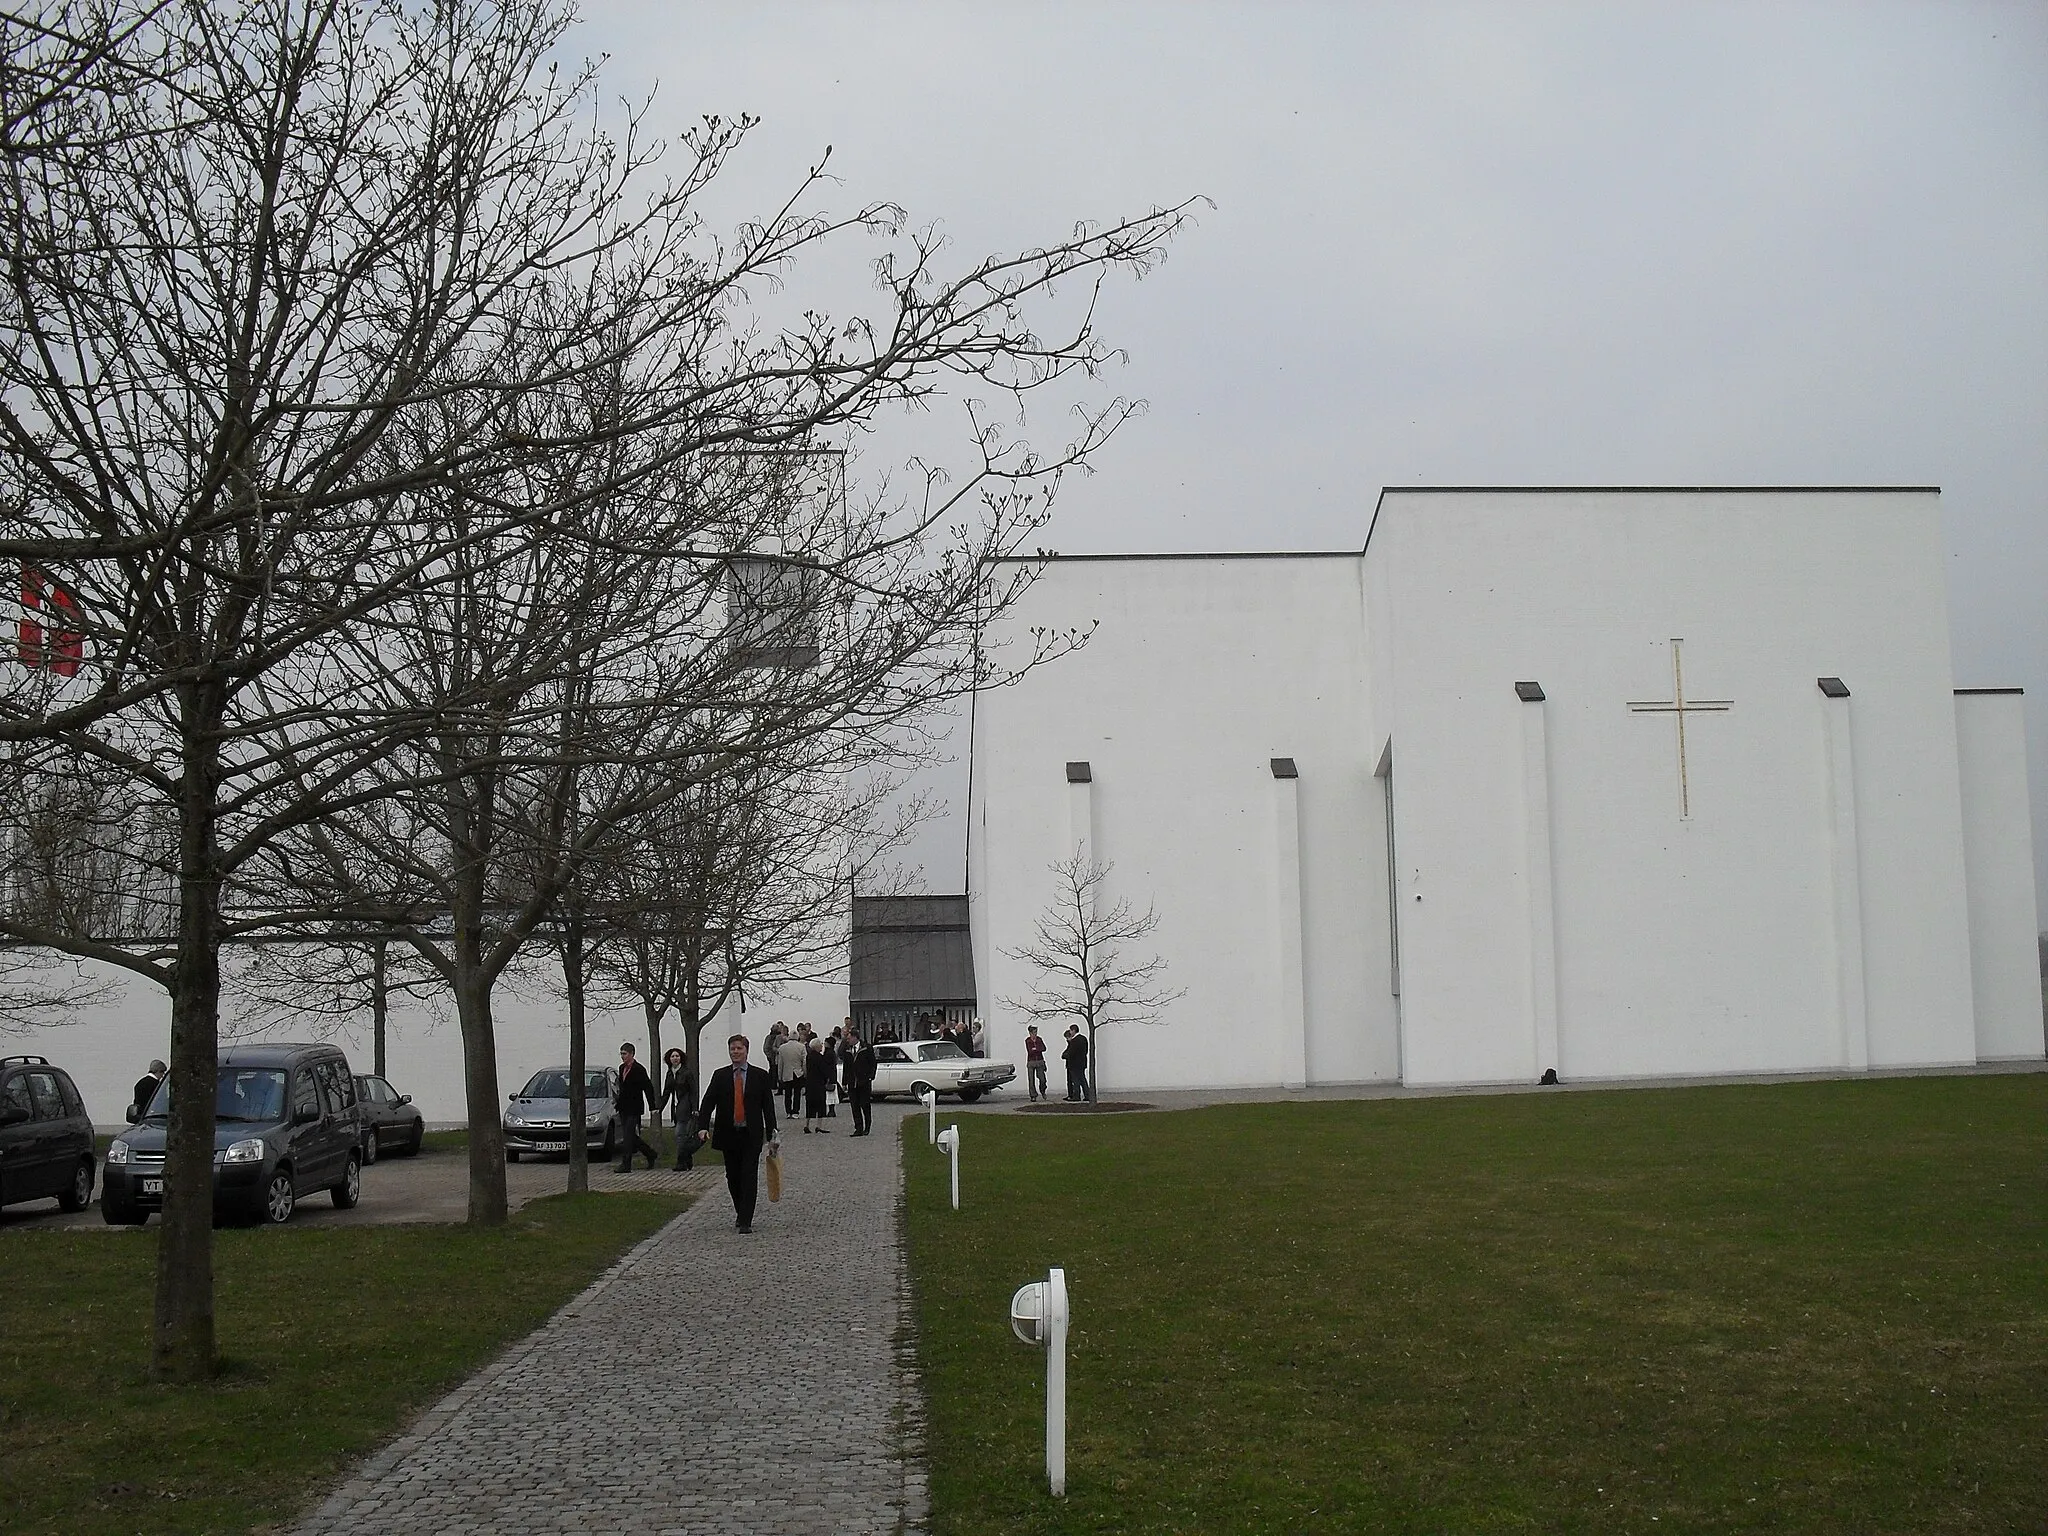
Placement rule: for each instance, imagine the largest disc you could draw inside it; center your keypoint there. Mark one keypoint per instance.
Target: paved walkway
(697, 1387)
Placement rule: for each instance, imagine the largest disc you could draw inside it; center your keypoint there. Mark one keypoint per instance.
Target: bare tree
(1089, 966)
(744, 882)
(365, 313)
(323, 223)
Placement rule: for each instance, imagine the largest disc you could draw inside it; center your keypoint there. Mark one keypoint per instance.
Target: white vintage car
(915, 1065)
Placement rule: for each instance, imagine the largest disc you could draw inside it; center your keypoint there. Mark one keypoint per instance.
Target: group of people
(736, 1113)
(1074, 1058)
(820, 1072)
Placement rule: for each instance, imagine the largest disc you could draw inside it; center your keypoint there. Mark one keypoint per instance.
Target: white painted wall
(1200, 673)
(1696, 944)
(1810, 911)
(1991, 746)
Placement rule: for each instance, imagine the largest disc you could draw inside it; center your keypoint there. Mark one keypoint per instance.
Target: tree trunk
(379, 1005)
(691, 1025)
(655, 1064)
(182, 1344)
(572, 978)
(487, 1206)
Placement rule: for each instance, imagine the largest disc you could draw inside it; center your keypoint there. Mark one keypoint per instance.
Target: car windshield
(939, 1050)
(240, 1093)
(553, 1083)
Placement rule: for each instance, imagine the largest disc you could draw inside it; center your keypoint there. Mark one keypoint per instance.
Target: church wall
(1690, 938)
(1991, 742)
(1201, 671)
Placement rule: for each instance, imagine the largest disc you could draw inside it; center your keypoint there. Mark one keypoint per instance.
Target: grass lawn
(331, 1340)
(1814, 1307)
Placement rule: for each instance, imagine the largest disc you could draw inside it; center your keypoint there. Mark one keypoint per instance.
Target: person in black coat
(1076, 1058)
(635, 1098)
(145, 1088)
(817, 1085)
(738, 1118)
(679, 1097)
(863, 1074)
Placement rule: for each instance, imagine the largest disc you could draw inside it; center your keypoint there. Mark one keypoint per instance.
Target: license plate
(552, 1146)
(152, 1186)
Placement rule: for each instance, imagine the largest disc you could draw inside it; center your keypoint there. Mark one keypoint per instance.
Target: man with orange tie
(738, 1119)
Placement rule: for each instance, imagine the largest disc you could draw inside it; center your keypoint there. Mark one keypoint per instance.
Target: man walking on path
(634, 1099)
(1034, 1063)
(696, 1306)
(738, 1119)
(863, 1075)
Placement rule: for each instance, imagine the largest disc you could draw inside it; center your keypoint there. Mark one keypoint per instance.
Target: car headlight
(250, 1151)
(118, 1152)
(515, 1121)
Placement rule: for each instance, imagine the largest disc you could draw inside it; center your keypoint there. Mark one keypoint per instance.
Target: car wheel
(511, 1156)
(279, 1198)
(419, 1134)
(608, 1151)
(350, 1189)
(969, 1095)
(77, 1194)
(370, 1149)
(919, 1089)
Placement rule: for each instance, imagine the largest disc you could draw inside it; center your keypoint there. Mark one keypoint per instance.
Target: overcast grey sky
(1471, 244)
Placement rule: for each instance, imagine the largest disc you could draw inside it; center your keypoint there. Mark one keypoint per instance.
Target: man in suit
(738, 1119)
(862, 1072)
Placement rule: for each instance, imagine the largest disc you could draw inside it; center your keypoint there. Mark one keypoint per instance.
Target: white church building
(1621, 782)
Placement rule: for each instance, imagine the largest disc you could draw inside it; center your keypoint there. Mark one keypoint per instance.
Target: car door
(892, 1069)
(76, 1140)
(375, 1098)
(20, 1158)
(311, 1164)
(53, 1126)
(339, 1118)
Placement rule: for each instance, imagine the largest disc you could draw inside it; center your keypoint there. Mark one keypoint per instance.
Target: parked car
(286, 1124)
(390, 1122)
(537, 1116)
(45, 1135)
(939, 1065)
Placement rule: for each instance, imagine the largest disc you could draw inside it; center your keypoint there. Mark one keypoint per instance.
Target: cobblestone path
(711, 1383)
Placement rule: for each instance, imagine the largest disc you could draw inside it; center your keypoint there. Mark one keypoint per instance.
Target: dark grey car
(285, 1124)
(45, 1135)
(390, 1122)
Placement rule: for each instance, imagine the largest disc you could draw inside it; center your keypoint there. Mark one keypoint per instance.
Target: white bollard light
(1038, 1315)
(931, 1109)
(949, 1143)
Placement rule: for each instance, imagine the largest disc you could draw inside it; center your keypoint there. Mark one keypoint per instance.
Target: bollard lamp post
(931, 1108)
(1038, 1315)
(949, 1143)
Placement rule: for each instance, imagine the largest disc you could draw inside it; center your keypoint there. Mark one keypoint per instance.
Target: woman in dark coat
(679, 1087)
(817, 1085)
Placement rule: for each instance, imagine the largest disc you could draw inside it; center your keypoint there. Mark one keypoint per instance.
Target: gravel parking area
(432, 1187)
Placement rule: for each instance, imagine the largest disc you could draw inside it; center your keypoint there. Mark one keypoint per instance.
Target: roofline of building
(1484, 490)
(1637, 490)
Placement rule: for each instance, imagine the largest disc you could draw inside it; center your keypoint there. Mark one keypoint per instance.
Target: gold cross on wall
(1679, 706)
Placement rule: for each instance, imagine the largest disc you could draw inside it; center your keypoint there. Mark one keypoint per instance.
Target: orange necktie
(739, 1095)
